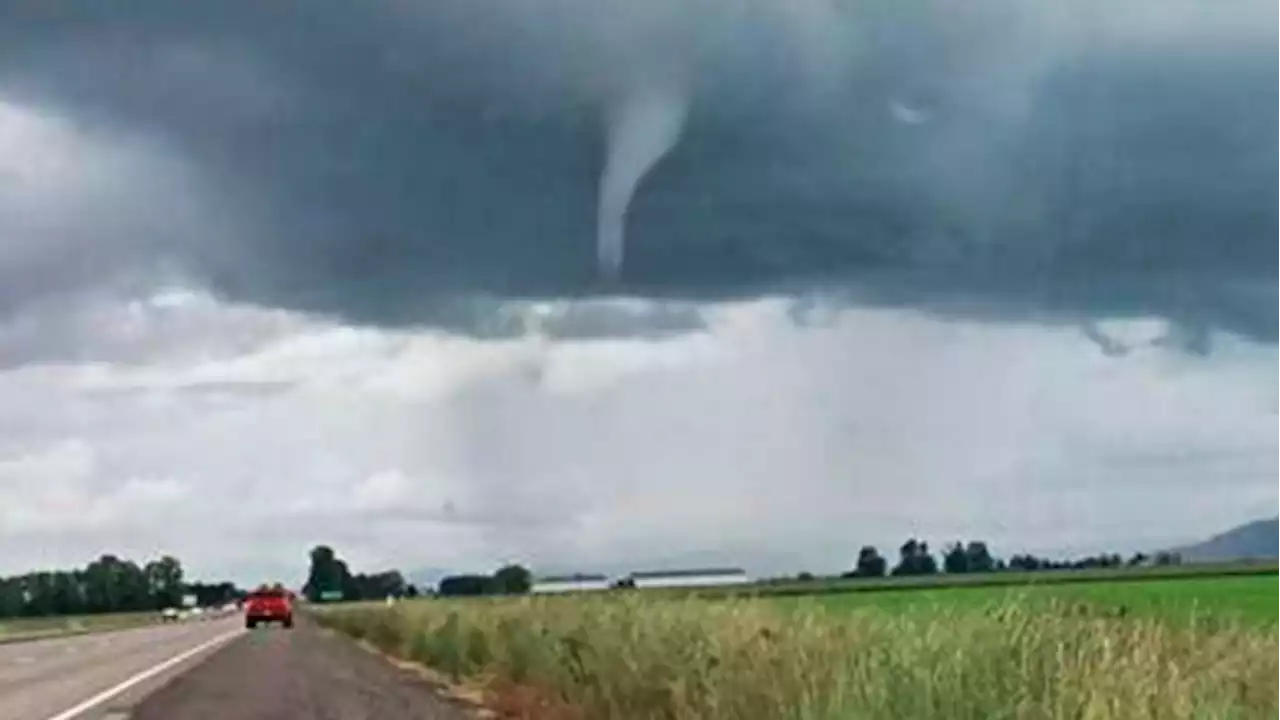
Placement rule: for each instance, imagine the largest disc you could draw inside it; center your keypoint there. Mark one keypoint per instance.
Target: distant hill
(1258, 539)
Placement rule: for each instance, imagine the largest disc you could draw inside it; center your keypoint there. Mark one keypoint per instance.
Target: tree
(376, 585)
(1027, 563)
(64, 594)
(107, 584)
(513, 580)
(327, 574)
(466, 585)
(971, 558)
(915, 559)
(507, 580)
(954, 559)
(40, 595)
(870, 563)
(978, 557)
(220, 593)
(346, 582)
(12, 601)
(164, 581)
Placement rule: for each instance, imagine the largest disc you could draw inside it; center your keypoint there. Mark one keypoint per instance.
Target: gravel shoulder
(300, 674)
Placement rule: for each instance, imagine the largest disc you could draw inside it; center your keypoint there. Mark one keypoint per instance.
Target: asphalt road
(48, 679)
(210, 670)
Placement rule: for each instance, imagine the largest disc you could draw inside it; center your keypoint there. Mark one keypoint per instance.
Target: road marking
(143, 676)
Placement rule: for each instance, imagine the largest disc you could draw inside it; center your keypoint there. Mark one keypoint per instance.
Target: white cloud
(59, 489)
(766, 442)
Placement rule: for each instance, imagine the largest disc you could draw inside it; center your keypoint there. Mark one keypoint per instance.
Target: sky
(981, 273)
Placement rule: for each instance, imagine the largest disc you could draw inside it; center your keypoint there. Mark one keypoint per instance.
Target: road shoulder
(304, 673)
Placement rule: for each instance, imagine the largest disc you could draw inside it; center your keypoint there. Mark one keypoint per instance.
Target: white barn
(577, 582)
(698, 577)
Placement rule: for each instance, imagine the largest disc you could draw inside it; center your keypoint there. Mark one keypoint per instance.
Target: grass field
(15, 629)
(1173, 648)
(1252, 600)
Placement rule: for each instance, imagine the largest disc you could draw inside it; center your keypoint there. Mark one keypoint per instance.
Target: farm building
(699, 577)
(577, 582)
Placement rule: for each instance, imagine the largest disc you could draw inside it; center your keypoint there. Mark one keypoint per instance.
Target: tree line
(107, 584)
(914, 558)
(113, 584)
(330, 579)
(506, 580)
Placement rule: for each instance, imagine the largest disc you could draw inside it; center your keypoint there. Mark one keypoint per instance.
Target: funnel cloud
(643, 127)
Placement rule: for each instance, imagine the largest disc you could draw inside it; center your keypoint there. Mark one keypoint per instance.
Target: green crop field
(1007, 578)
(1195, 645)
(1246, 599)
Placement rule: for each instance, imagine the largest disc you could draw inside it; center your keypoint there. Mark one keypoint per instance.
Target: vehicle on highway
(267, 605)
(170, 614)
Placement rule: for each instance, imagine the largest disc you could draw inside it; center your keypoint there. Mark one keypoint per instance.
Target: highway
(208, 670)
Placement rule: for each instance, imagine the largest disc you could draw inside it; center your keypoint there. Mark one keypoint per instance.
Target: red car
(268, 605)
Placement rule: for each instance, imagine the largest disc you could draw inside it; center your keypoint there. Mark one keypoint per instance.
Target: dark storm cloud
(395, 160)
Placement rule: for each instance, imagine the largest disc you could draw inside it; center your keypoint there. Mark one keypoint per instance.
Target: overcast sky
(260, 290)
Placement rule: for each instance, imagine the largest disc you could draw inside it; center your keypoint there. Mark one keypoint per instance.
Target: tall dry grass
(632, 658)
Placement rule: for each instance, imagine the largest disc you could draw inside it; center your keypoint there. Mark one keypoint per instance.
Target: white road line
(147, 674)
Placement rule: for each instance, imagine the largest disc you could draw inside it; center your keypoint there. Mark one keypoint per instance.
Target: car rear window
(268, 594)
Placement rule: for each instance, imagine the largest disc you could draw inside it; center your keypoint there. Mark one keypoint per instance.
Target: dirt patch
(491, 698)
